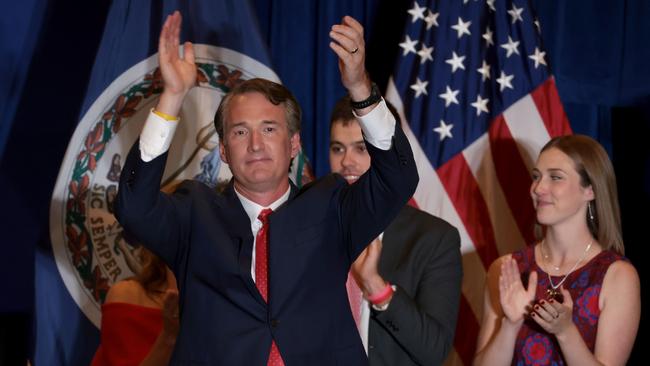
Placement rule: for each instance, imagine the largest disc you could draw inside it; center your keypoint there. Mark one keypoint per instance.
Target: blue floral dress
(535, 346)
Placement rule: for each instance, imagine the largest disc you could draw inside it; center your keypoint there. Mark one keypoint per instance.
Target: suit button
(275, 323)
(370, 346)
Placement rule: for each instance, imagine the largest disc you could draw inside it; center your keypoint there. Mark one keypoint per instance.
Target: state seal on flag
(90, 249)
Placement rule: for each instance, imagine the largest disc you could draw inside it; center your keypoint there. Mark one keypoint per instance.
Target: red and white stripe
(484, 192)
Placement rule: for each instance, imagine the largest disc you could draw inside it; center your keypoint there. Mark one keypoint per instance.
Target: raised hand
(515, 299)
(350, 47)
(179, 73)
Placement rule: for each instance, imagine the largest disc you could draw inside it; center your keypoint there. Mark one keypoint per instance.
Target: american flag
(478, 102)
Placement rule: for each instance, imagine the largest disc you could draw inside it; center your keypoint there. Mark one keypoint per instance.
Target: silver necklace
(552, 291)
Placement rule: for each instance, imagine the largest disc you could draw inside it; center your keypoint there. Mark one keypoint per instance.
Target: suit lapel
(239, 228)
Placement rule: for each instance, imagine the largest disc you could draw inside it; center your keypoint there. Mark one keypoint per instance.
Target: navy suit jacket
(206, 239)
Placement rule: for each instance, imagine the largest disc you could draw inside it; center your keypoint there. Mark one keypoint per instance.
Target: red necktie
(355, 296)
(262, 274)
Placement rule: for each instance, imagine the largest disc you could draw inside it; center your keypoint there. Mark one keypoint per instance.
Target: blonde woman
(572, 298)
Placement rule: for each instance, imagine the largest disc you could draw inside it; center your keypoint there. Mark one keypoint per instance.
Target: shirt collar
(253, 209)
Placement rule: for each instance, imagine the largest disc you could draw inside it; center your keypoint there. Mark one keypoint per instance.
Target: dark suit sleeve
(155, 219)
(371, 203)
(424, 324)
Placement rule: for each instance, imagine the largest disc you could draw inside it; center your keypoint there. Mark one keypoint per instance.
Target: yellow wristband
(164, 116)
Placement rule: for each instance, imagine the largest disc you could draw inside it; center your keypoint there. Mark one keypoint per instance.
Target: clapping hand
(554, 316)
(365, 269)
(515, 299)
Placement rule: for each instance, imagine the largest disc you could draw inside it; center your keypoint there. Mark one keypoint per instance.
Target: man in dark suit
(259, 289)
(415, 265)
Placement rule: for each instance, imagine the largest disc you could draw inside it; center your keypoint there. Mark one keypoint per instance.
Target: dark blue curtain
(48, 50)
(599, 49)
(599, 55)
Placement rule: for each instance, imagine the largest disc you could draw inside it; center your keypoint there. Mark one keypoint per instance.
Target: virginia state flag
(88, 251)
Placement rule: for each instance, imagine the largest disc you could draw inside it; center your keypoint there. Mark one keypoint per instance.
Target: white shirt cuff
(156, 136)
(378, 126)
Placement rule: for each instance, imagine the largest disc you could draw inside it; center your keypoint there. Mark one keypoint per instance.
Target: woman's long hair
(594, 167)
(153, 275)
